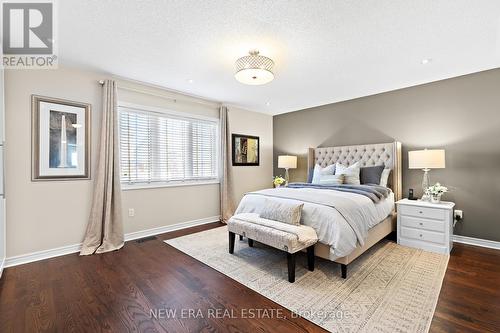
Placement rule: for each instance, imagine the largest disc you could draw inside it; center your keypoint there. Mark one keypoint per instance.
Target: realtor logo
(28, 34)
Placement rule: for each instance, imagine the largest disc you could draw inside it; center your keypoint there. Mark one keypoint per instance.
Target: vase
(436, 198)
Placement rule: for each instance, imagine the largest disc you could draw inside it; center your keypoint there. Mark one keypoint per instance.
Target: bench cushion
(281, 236)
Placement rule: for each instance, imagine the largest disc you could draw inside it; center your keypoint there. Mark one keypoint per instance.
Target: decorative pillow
(371, 175)
(282, 211)
(351, 173)
(320, 172)
(332, 180)
(310, 175)
(384, 178)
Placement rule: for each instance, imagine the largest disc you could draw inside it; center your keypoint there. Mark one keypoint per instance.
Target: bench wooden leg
(291, 267)
(241, 237)
(310, 258)
(343, 269)
(231, 242)
(250, 242)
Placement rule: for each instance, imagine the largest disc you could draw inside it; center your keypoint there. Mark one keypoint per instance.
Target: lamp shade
(426, 159)
(287, 162)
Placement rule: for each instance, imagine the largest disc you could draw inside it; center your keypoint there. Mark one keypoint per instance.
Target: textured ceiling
(325, 51)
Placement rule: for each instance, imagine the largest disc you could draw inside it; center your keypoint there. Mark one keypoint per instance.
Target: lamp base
(425, 184)
(286, 176)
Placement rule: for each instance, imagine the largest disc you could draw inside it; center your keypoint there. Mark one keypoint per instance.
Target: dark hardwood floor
(470, 296)
(116, 292)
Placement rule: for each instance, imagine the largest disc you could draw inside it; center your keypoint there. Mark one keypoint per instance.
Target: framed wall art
(60, 139)
(245, 150)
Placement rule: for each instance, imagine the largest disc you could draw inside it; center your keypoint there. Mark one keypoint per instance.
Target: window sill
(128, 187)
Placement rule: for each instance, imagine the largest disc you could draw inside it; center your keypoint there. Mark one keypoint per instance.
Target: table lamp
(426, 160)
(287, 162)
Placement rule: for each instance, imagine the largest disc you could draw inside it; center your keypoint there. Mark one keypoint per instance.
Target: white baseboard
(2, 265)
(68, 249)
(477, 242)
(169, 228)
(40, 255)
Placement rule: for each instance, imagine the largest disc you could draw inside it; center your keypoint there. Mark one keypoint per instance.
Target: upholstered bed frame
(388, 154)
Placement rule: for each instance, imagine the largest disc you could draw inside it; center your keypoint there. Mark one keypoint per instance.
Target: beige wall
(47, 215)
(2, 200)
(251, 178)
(461, 115)
(156, 207)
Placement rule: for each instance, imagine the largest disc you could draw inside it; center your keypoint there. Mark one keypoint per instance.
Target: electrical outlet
(459, 213)
(131, 212)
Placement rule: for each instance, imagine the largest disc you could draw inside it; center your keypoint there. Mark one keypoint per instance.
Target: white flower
(436, 189)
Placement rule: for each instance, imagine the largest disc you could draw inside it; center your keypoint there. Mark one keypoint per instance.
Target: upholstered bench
(288, 238)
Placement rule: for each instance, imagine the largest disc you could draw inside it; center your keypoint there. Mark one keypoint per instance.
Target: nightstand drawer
(428, 213)
(420, 223)
(423, 235)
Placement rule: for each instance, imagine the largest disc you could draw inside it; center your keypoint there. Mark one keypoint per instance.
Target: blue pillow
(310, 175)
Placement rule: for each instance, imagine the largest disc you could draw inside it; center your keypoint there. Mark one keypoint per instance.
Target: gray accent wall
(461, 115)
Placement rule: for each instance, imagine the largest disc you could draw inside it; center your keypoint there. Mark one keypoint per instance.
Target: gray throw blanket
(374, 192)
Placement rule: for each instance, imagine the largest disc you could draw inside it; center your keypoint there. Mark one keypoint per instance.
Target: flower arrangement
(278, 181)
(436, 191)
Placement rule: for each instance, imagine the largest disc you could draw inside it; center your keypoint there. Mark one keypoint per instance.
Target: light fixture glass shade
(426, 159)
(254, 69)
(287, 162)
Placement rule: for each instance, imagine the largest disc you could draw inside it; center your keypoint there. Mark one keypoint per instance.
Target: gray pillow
(371, 175)
(282, 211)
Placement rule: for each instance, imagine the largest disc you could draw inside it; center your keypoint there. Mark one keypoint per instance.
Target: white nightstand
(426, 225)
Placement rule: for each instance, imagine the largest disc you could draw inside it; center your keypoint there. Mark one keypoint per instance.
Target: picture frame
(60, 152)
(245, 150)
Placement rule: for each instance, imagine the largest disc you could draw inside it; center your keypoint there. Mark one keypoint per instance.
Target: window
(166, 148)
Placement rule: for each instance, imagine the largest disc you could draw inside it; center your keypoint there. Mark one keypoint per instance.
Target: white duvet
(331, 227)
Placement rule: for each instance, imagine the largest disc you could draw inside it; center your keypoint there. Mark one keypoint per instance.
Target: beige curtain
(226, 201)
(105, 227)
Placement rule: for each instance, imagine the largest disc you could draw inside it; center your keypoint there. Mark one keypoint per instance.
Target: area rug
(390, 288)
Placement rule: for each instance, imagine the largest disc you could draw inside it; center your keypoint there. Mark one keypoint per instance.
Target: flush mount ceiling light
(254, 69)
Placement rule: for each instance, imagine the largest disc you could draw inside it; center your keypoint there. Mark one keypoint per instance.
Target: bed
(338, 240)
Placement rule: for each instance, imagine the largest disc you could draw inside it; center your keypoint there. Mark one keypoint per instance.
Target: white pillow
(319, 172)
(332, 179)
(351, 173)
(384, 177)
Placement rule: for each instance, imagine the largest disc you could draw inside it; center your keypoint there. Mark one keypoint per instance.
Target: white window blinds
(163, 148)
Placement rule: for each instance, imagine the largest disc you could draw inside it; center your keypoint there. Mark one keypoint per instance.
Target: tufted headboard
(388, 154)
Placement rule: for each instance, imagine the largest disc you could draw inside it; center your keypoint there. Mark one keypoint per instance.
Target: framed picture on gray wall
(60, 132)
(245, 150)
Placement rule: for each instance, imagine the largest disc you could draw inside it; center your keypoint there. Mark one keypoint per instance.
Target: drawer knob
(420, 235)
(420, 212)
(421, 223)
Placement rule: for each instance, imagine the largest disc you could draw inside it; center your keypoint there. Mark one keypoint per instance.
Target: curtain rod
(175, 100)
